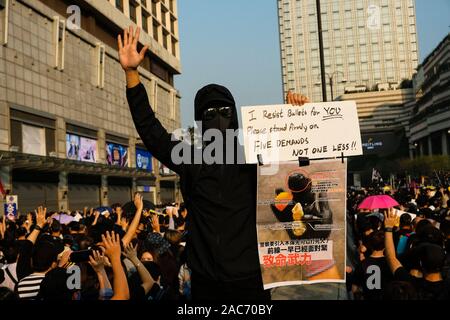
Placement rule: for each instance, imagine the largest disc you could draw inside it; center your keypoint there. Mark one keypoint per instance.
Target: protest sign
(301, 223)
(11, 207)
(316, 131)
(399, 213)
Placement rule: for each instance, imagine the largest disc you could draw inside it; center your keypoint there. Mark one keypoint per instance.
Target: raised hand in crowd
(390, 221)
(296, 99)
(41, 221)
(96, 216)
(111, 247)
(147, 281)
(98, 261)
(119, 215)
(3, 227)
(155, 223)
(65, 257)
(129, 57)
(131, 232)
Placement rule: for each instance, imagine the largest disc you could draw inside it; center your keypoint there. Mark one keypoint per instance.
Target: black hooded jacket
(220, 198)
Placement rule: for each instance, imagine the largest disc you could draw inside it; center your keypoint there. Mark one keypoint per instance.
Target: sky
(235, 43)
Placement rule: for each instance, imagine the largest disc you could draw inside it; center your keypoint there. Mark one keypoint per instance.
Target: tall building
(383, 120)
(67, 139)
(430, 123)
(367, 43)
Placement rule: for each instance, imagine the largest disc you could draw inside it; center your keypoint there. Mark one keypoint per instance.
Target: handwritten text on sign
(286, 132)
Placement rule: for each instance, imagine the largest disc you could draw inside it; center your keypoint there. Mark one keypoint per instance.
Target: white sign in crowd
(315, 131)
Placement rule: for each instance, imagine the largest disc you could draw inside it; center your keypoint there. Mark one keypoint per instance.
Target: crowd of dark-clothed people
(400, 253)
(96, 254)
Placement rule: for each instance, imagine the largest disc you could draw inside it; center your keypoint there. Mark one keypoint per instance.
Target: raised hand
(40, 216)
(131, 253)
(138, 201)
(111, 245)
(390, 218)
(129, 57)
(97, 261)
(3, 227)
(64, 258)
(296, 99)
(155, 224)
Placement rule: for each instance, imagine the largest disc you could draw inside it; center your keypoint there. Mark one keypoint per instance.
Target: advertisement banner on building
(88, 150)
(301, 223)
(143, 160)
(11, 207)
(72, 147)
(33, 140)
(316, 131)
(116, 155)
(81, 148)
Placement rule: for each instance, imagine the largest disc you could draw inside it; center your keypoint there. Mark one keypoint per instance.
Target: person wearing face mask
(220, 198)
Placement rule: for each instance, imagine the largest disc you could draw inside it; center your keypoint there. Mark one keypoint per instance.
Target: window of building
(119, 5)
(165, 39)
(154, 10)
(133, 11)
(31, 133)
(145, 18)
(155, 31)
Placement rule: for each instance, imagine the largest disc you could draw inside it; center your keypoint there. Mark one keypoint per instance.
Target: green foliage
(425, 165)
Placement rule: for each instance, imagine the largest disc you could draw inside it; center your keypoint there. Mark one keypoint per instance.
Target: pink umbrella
(378, 202)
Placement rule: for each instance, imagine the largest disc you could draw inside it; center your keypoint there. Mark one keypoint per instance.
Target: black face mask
(142, 235)
(217, 118)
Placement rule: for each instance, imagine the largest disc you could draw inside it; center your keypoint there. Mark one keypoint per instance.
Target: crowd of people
(400, 253)
(101, 254)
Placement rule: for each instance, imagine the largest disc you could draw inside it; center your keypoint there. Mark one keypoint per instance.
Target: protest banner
(11, 207)
(301, 223)
(316, 131)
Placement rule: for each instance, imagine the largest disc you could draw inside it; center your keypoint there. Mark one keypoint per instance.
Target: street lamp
(331, 78)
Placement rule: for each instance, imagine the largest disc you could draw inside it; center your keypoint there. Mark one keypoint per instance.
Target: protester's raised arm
(3, 227)
(40, 223)
(390, 220)
(97, 262)
(147, 281)
(111, 244)
(129, 57)
(138, 202)
(155, 137)
(296, 99)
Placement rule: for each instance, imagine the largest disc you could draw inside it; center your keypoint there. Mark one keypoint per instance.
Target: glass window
(119, 5)
(133, 12)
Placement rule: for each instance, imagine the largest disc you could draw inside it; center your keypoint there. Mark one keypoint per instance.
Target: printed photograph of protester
(301, 223)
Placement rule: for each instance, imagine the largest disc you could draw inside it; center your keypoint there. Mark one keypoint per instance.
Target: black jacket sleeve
(24, 267)
(155, 137)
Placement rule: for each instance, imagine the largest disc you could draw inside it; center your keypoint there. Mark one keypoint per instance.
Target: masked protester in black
(221, 198)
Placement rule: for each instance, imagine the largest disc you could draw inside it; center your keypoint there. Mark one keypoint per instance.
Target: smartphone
(80, 256)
